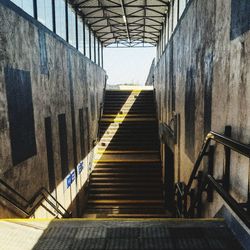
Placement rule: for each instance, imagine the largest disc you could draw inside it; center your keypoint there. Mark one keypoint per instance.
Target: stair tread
(127, 152)
(129, 189)
(136, 202)
(125, 196)
(146, 184)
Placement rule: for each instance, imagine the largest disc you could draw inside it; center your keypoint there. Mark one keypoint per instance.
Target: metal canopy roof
(124, 23)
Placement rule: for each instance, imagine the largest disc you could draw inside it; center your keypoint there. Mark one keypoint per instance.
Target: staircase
(127, 177)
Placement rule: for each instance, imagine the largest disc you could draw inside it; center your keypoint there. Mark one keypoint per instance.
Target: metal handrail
(101, 113)
(226, 141)
(209, 180)
(37, 200)
(229, 200)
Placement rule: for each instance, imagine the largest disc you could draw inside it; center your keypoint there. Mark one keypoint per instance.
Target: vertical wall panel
(190, 114)
(20, 111)
(63, 145)
(82, 144)
(50, 157)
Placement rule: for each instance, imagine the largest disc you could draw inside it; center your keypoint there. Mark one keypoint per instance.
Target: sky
(128, 65)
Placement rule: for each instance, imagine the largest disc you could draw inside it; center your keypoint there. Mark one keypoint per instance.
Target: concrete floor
(113, 234)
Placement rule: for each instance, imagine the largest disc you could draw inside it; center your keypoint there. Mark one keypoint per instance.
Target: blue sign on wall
(80, 167)
(73, 176)
(68, 180)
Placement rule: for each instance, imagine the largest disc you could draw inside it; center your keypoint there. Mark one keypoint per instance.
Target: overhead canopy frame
(124, 23)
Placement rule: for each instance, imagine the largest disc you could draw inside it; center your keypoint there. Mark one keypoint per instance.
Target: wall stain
(62, 125)
(50, 154)
(72, 107)
(240, 18)
(190, 107)
(43, 52)
(20, 112)
(208, 83)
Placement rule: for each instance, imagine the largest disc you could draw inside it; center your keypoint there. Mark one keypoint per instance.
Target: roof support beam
(125, 19)
(125, 6)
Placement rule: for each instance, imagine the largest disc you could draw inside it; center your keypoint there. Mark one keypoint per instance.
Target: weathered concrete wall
(41, 76)
(204, 76)
(150, 78)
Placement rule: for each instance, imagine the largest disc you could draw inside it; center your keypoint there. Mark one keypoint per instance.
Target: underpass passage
(127, 177)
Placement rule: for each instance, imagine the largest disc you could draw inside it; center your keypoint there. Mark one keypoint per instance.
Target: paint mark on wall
(20, 114)
(43, 52)
(81, 124)
(72, 108)
(63, 145)
(240, 17)
(50, 157)
(190, 114)
(208, 80)
(171, 75)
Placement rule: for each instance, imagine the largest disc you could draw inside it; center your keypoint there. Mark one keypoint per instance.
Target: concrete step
(126, 139)
(126, 169)
(112, 184)
(126, 216)
(130, 110)
(129, 147)
(131, 180)
(129, 165)
(127, 115)
(127, 175)
(125, 196)
(118, 120)
(154, 157)
(127, 152)
(125, 202)
(124, 190)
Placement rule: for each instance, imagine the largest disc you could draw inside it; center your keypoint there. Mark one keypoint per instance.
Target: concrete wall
(41, 76)
(204, 76)
(150, 78)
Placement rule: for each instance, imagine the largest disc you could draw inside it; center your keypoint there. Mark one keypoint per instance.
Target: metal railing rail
(206, 181)
(28, 207)
(100, 114)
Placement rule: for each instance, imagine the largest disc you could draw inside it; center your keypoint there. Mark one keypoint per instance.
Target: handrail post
(210, 172)
(200, 180)
(226, 177)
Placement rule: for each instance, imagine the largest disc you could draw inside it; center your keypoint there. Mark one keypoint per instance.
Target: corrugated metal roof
(124, 23)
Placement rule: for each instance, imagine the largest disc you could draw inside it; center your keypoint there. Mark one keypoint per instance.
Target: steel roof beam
(125, 18)
(125, 5)
(128, 16)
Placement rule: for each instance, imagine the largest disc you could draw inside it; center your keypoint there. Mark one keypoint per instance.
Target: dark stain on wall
(50, 157)
(171, 75)
(43, 52)
(20, 112)
(190, 114)
(63, 144)
(72, 107)
(240, 17)
(208, 80)
(81, 124)
(88, 146)
(93, 108)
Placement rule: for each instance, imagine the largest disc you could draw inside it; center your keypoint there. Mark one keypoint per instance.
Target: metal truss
(124, 23)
